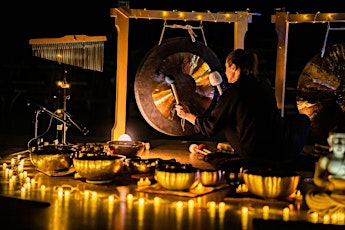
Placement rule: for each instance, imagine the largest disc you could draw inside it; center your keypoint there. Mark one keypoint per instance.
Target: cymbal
(190, 64)
(320, 91)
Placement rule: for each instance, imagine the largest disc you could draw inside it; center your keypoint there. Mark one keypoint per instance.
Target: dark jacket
(248, 115)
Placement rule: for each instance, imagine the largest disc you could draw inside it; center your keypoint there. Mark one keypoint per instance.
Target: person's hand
(180, 111)
(184, 114)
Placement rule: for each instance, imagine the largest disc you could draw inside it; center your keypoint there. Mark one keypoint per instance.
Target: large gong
(320, 91)
(188, 64)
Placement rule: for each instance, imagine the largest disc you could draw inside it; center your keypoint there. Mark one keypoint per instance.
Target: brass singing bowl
(176, 177)
(210, 177)
(271, 185)
(53, 159)
(98, 169)
(126, 148)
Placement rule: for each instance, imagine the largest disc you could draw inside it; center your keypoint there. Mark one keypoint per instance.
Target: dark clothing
(247, 112)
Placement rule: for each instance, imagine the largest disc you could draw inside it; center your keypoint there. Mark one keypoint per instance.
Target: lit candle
(129, 197)
(191, 203)
(314, 216)
(286, 213)
(341, 218)
(20, 168)
(326, 219)
(4, 166)
(265, 212)
(334, 218)
(111, 198)
(156, 201)
(244, 210)
(13, 162)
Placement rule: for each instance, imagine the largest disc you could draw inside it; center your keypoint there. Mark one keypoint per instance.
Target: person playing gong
(248, 115)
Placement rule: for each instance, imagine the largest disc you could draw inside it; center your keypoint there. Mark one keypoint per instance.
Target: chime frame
(241, 19)
(282, 21)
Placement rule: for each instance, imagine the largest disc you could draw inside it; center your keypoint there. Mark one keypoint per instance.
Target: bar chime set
(82, 51)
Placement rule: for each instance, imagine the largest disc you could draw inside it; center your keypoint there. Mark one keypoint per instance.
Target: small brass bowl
(210, 177)
(53, 160)
(271, 184)
(98, 169)
(126, 148)
(176, 177)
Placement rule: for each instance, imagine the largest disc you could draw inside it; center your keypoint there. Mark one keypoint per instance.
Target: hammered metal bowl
(176, 176)
(126, 148)
(98, 168)
(210, 177)
(271, 184)
(53, 160)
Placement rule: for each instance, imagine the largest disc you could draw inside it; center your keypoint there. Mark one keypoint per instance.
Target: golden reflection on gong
(191, 75)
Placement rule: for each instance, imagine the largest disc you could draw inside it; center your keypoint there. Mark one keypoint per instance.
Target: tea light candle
(326, 219)
(129, 197)
(244, 210)
(265, 212)
(286, 213)
(191, 203)
(314, 216)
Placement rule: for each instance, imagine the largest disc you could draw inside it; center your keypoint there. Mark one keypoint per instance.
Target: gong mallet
(201, 148)
(171, 81)
(216, 79)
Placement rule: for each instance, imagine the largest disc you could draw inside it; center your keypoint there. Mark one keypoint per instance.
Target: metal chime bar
(83, 51)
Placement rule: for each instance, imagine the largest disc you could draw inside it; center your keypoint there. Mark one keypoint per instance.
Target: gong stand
(186, 27)
(282, 21)
(122, 16)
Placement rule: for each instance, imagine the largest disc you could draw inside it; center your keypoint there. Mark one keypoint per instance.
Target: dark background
(92, 99)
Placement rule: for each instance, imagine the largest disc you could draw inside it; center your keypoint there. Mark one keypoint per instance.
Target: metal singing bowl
(271, 184)
(98, 169)
(53, 159)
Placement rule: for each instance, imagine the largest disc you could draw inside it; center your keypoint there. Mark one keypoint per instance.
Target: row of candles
(16, 170)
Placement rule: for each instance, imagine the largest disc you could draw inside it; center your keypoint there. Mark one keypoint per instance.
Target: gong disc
(320, 91)
(190, 64)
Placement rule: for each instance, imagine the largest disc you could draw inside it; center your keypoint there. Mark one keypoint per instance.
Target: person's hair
(244, 59)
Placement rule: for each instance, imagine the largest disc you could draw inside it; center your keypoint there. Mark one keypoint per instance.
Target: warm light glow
(286, 213)
(314, 216)
(244, 210)
(125, 137)
(265, 212)
(326, 219)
